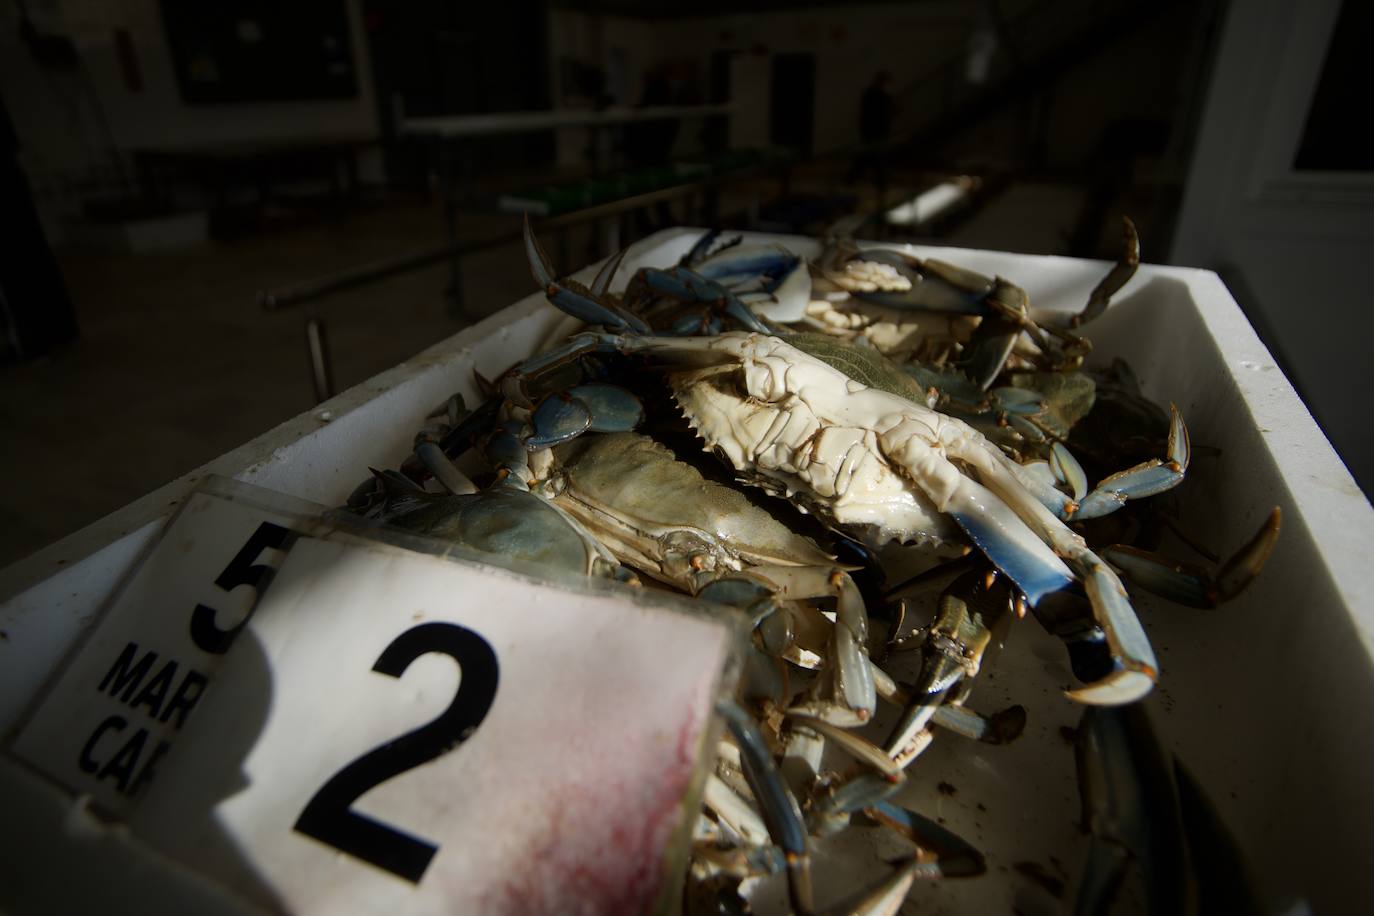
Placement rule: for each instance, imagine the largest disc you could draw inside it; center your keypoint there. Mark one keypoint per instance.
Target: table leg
(449, 179)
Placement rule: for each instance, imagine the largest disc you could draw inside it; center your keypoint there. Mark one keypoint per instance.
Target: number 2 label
(328, 816)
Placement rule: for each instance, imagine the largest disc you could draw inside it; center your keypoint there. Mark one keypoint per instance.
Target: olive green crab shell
(652, 491)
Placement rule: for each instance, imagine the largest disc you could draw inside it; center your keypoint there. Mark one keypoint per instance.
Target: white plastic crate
(1264, 699)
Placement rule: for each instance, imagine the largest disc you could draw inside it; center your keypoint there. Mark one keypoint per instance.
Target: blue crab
(880, 466)
(663, 518)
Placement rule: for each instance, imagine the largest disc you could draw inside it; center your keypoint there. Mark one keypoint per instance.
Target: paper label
(120, 705)
(389, 731)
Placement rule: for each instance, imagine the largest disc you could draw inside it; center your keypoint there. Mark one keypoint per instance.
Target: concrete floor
(177, 363)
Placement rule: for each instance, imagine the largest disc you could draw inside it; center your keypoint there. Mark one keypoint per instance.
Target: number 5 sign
(391, 731)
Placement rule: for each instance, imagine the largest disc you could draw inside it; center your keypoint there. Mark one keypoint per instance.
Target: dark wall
(443, 58)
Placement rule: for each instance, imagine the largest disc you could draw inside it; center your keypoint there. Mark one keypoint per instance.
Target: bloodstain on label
(603, 848)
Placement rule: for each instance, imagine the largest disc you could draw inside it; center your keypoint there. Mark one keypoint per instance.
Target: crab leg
(860, 749)
(429, 453)
(702, 246)
(780, 811)
(957, 858)
(689, 286)
(1196, 586)
(832, 806)
(1120, 274)
(848, 642)
(771, 278)
(734, 811)
(574, 298)
(886, 898)
(1131, 810)
(1001, 727)
(1136, 666)
(606, 274)
(1145, 479)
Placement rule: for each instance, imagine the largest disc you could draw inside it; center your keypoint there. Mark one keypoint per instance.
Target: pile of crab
(816, 443)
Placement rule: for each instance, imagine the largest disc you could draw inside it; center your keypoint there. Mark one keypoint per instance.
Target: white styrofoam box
(1262, 698)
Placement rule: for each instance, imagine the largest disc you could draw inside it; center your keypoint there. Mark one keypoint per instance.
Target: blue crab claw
(593, 407)
(697, 322)
(1025, 540)
(1067, 470)
(689, 286)
(1145, 479)
(1135, 669)
(574, 298)
(558, 418)
(505, 450)
(987, 350)
(769, 278)
(699, 251)
(1196, 586)
(606, 274)
(613, 409)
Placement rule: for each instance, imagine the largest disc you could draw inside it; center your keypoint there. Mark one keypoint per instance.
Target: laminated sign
(325, 723)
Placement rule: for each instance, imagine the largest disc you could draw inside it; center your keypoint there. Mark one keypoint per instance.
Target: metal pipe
(296, 293)
(321, 375)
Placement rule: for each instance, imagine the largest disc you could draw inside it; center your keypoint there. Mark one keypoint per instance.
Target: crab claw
(955, 643)
(1116, 689)
(574, 298)
(594, 406)
(781, 813)
(1145, 479)
(1117, 277)
(1136, 669)
(689, 286)
(1196, 586)
(606, 274)
(957, 858)
(1041, 555)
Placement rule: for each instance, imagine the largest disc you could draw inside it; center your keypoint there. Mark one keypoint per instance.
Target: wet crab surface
(991, 795)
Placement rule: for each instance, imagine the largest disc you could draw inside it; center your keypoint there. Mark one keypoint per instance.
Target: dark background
(166, 164)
